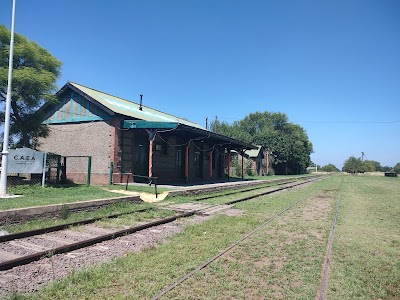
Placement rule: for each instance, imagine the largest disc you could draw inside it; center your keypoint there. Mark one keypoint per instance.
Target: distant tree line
(288, 143)
(357, 165)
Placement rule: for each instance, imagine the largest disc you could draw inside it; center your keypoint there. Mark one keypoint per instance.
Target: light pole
(4, 157)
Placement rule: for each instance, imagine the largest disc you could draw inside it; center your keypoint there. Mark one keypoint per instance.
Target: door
(141, 157)
(219, 165)
(179, 163)
(198, 165)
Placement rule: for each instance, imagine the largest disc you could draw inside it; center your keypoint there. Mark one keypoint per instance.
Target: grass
(224, 196)
(283, 260)
(121, 207)
(35, 195)
(365, 260)
(142, 275)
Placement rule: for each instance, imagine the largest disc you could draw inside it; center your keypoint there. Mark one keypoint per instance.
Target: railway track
(26, 247)
(258, 187)
(267, 221)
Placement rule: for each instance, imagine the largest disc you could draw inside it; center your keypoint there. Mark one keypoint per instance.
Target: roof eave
(236, 144)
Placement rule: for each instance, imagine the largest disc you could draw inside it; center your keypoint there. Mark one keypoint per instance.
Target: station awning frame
(217, 138)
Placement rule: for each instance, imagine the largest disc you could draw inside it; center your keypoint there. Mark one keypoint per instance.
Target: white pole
(44, 168)
(3, 178)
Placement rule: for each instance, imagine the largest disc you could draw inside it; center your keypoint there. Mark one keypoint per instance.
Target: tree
(35, 72)
(330, 168)
(373, 166)
(386, 169)
(288, 143)
(353, 165)
(396, 168)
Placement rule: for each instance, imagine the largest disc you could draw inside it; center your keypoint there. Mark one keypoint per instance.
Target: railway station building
(125, 138)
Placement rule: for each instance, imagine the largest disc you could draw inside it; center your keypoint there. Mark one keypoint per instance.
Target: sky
(332, 66)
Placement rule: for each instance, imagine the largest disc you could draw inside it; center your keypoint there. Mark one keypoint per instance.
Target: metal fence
(56, 171)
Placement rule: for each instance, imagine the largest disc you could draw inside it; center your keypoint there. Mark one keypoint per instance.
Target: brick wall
(96, 139)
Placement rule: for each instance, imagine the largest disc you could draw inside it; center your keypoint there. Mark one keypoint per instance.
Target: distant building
(254, 159)
(257, 156)
(131, 139)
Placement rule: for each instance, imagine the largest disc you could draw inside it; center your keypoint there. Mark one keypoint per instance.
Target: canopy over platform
(193, 132)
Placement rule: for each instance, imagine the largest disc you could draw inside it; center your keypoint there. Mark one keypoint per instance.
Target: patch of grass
(282, 261)
(36, 195)
(366, 250)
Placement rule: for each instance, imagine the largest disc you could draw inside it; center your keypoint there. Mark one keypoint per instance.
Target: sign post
(27, 161)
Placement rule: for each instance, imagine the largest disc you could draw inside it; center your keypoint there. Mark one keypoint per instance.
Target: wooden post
(267, 161)
(187, 163)
(152, 137)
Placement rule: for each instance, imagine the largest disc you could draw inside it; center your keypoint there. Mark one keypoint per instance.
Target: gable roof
(111, 105)
(253, 152)
(117, 105)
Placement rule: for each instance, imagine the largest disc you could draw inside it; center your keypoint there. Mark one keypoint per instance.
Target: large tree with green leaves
(35, 72)
(353, 165)
(288, 143)
(373, 165)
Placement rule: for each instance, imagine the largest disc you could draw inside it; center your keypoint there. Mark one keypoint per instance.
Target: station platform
(181, 189)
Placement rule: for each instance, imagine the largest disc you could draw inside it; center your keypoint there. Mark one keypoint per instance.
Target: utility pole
(4, 156)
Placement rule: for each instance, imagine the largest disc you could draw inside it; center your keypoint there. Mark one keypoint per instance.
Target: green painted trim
(128, 124)
(75, 120)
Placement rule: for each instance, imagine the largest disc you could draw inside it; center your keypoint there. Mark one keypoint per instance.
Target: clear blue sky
(332, 66)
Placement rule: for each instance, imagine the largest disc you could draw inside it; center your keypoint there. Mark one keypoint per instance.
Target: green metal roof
(130, 109)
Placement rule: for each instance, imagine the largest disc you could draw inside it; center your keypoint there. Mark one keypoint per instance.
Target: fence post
(64, 171)
(155, 186)
(127, 182)
(89, 169)
(58, 169)
(110, 182)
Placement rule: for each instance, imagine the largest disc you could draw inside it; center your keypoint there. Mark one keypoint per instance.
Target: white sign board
(25, 160)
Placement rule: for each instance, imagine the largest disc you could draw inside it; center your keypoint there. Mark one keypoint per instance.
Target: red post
(187, 163)
(210, 165)
(151, 158)
(267, 161)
